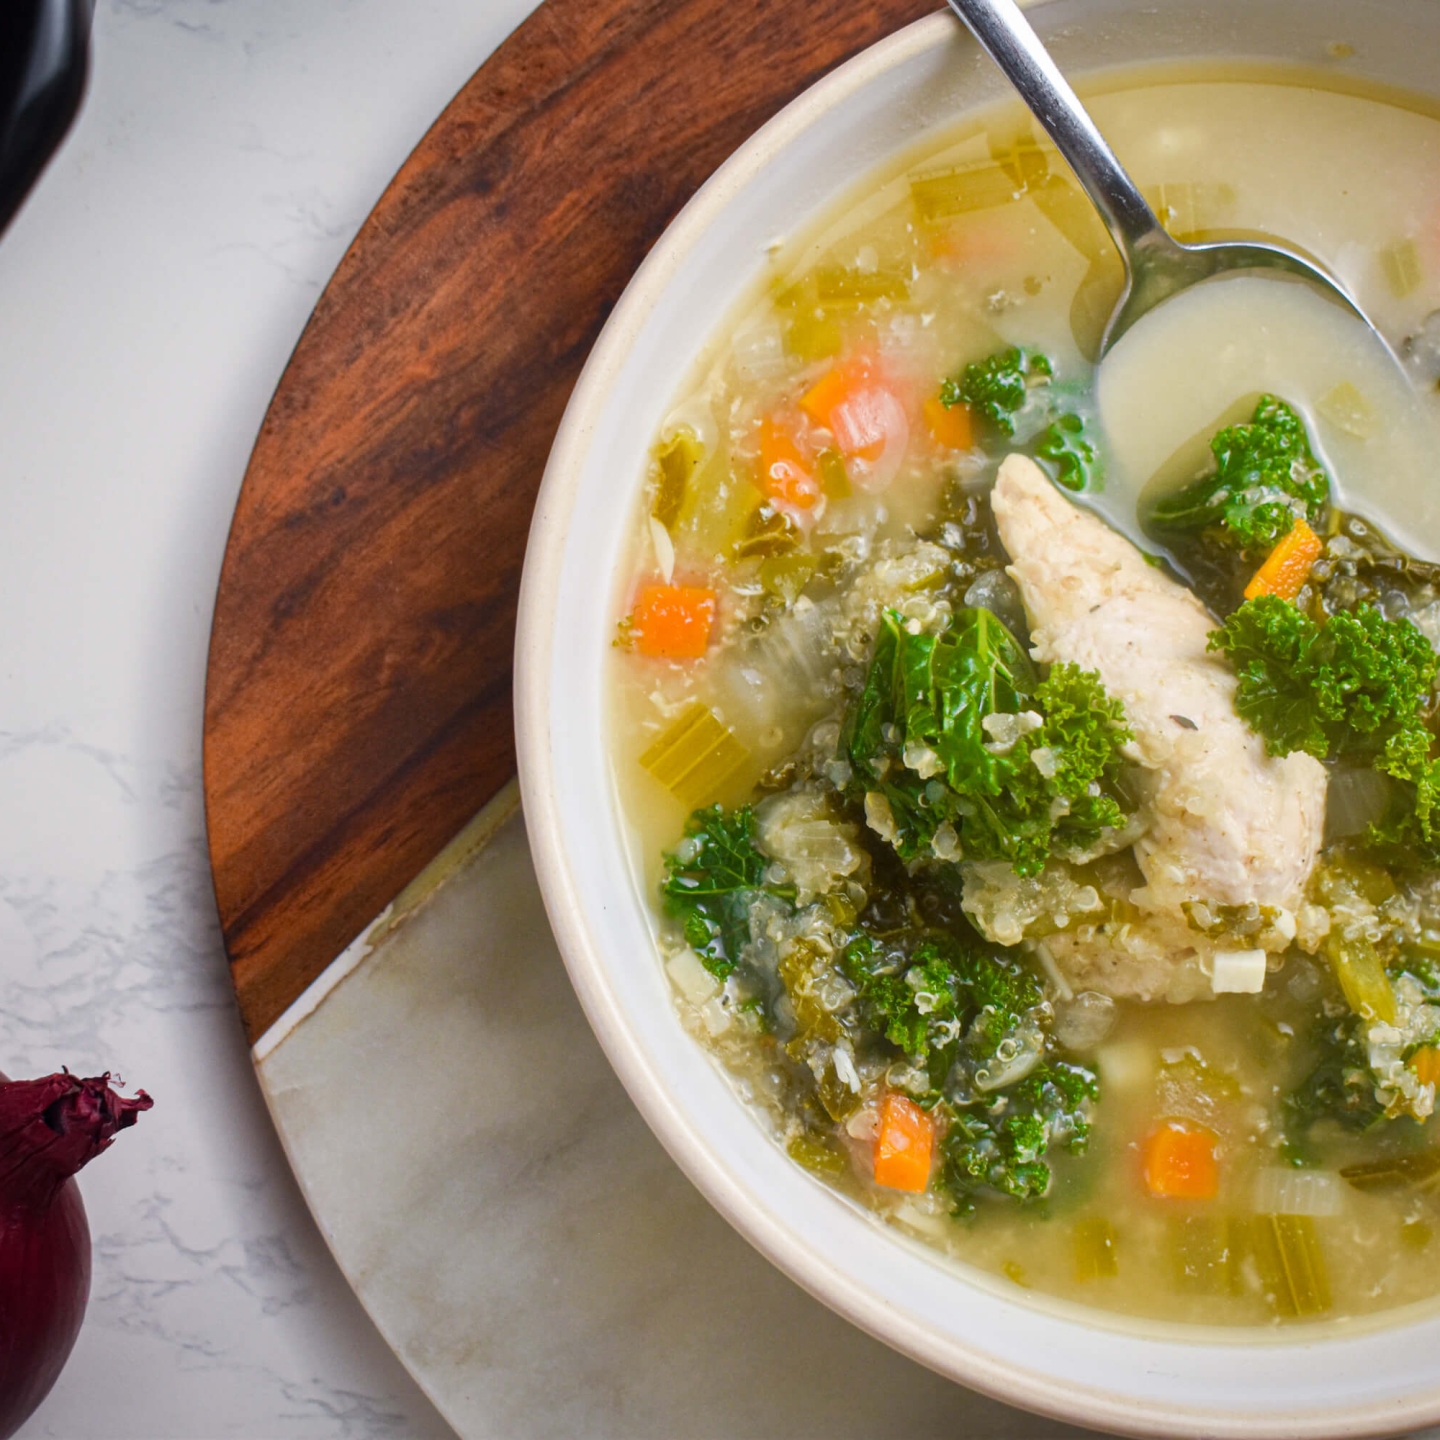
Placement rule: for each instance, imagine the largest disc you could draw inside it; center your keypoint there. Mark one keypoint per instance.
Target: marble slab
(518, 1235)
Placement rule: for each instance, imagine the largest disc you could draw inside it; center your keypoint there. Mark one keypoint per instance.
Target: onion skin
(48, 1129)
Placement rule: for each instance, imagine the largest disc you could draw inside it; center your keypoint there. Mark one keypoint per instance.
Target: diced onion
(1283, 1191)
(1238, 972)
(691, 978)
(1082, 1023)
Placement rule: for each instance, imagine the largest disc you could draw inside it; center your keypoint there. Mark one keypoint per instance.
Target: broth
(811, 482)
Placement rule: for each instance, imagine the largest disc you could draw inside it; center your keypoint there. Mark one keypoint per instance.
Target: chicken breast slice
(1228, 824)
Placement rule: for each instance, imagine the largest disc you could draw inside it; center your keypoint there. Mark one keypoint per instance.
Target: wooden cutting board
(357, 708)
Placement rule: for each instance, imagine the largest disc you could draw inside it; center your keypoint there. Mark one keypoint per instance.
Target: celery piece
(834, 478)
(785, 576)
(717, 509)
(813, 337)
(1187, 210)
(1094, 1248)
(1023, 160)
(767, 532)
(819, 1156)
(694, 757)
(1208, 1252)
(962, 190)
(676, 460)
(1291, 1264)
(1348, 410)
(1415, 1234)
(1401, 263)
(1401, 1171)
(1361, 973)
(834, 284)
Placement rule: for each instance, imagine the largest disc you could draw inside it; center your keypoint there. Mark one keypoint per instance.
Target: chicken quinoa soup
(1041, 811)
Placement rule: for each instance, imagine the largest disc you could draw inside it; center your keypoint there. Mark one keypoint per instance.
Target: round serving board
(357, 708)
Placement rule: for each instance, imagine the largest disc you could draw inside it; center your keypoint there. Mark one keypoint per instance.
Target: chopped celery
(1291, 1264)
(766, 532)
(1023, 160)
(836, 284)
(813, 337)
(785, 576)
(1401, 263)
(963, 189)
(819, 1156)
(1400, 1171)
(694, 757)
(676, 460)
(1094, 1248)
(1208, 1252)
(718, 506)
(1361, 973)
(834, 478)
(1187, 210)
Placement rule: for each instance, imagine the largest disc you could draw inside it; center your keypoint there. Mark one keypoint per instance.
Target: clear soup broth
(1031, 769)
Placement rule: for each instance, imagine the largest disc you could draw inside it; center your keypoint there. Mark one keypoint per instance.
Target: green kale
(1014, 798)
(1002, 1142)
(1059, 782)
(1357, 685)
(939, 999)
(1340, 1088)
(1064, 445)
(711, 880)
(996, 389)
(1265, 478)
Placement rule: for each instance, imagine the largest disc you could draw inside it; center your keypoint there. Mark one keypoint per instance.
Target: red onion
(48, 1129)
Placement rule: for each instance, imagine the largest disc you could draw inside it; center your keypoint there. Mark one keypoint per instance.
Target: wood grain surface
(358, 705)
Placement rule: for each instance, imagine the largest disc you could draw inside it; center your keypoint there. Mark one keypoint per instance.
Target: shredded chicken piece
(1229, 824)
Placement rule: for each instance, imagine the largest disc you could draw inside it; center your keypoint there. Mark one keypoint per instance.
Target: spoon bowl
(1157, 267)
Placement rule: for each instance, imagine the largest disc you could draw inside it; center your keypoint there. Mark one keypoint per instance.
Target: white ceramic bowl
(1060, 1359)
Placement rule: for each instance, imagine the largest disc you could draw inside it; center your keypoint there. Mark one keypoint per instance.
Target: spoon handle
(1007, 37)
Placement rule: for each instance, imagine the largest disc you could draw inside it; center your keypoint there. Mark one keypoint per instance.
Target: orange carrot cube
(904, 1145)
(1180, 1162)
(950, 425)
(1426, 1065)
(673, 621)
(1287, 568)
(786, 474)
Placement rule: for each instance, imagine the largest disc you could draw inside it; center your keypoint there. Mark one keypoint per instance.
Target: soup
(1032, 774)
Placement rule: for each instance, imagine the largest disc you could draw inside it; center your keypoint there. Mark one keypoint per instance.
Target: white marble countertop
(150, 293)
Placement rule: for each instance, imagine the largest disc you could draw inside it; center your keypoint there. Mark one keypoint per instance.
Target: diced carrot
(950, 425)
(1426, 1065)
(1180, 1162)
(859, 409)
(673, 621)
(786, 472)
(904, 1145)
(1288, 567)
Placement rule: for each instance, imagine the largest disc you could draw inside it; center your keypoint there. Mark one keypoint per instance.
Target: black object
(44, 58)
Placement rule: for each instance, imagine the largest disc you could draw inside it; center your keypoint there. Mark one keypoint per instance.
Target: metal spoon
(1156, 266)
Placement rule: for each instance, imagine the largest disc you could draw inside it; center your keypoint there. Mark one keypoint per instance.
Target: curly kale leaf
(1058, 782)
(1003, 1143)
(1265, 478)
(997, 388)
(1064, 445)
(925, 702)
(938, 999)
(1341, 1088)
(711, 880)
(1357, 685)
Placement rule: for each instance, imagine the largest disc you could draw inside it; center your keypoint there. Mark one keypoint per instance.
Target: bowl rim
(1031, 1389)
